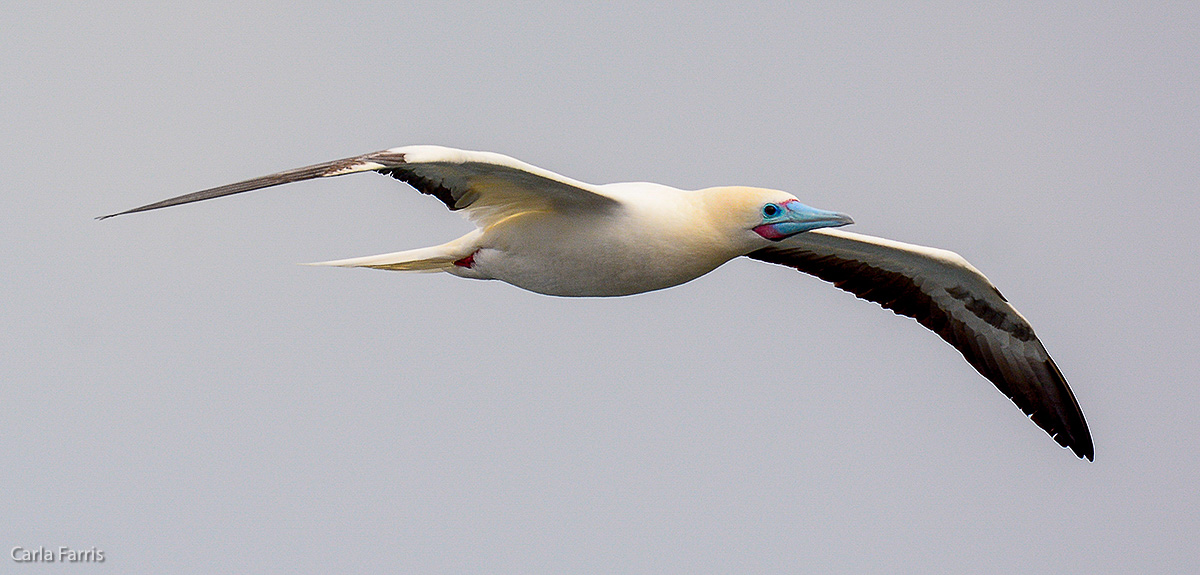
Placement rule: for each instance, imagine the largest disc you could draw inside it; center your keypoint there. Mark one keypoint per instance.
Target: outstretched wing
(489, 186)
(949, 296)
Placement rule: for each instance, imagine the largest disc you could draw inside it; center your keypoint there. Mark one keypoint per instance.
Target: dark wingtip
(1081, 446)
(1073, 428)
(334, 168)
(134, 210)
(1085, 450)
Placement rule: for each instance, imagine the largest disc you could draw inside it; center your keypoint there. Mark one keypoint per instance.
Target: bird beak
(801, 218)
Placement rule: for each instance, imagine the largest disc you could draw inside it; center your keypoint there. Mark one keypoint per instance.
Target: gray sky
(181, 395)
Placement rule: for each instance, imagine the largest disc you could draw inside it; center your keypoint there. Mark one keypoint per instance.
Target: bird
(554, 235)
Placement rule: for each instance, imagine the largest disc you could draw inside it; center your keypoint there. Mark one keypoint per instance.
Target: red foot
(467, 261)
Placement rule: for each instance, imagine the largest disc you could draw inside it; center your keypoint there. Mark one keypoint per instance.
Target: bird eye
(770, 210)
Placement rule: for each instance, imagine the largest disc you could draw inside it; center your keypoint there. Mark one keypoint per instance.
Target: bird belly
(588, 262)
(574, 278)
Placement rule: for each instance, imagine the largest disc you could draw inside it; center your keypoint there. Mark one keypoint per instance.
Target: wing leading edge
(487, 185)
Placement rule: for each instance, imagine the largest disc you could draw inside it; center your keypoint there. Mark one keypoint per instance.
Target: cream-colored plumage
(553, 235)
(661, 237)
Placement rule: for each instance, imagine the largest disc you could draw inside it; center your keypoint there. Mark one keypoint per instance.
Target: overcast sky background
(179, 394)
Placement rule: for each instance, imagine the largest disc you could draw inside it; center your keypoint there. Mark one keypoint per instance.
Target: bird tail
(431, 259)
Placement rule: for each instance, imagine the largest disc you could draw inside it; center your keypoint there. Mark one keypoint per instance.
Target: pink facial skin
(770, 232)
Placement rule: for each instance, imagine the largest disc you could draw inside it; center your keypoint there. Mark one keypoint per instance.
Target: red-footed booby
(557, 236)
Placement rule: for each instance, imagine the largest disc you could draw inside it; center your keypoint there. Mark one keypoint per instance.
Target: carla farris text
(63, 554)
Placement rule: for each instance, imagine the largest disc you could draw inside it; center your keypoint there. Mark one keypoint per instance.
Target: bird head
(771, 214)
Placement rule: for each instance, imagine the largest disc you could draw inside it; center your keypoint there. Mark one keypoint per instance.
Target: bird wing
(946, 294)
(489, 186)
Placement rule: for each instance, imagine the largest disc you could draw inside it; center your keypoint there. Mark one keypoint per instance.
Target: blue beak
(796, 218)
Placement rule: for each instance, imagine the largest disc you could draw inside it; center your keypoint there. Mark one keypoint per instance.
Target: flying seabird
(554, 235)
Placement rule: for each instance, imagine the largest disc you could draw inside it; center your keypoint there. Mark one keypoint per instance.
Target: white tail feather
(431, 259)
